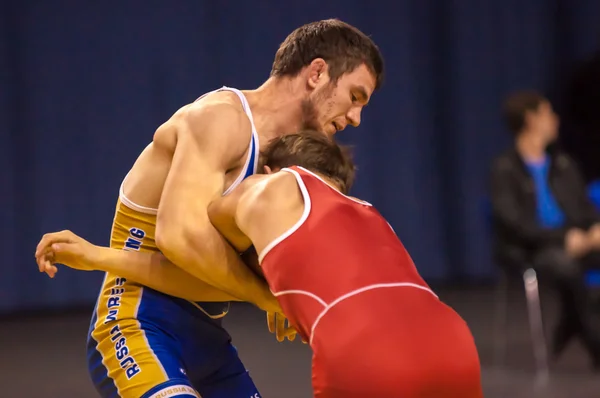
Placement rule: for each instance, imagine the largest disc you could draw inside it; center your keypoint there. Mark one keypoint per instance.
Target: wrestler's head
(339, 67)
(313, 151)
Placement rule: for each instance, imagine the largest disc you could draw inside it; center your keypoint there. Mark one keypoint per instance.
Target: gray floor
(45, 356)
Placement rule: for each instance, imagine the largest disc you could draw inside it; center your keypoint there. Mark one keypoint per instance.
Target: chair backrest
(592, 278)
(594, 193)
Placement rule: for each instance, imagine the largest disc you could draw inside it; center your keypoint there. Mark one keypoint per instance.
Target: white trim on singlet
(362, 290)
(253, 141)
(296, 226)
(355, 200)
(307, 204)
(327, 307)
(298, 223)
(303, 293)
(253, 149)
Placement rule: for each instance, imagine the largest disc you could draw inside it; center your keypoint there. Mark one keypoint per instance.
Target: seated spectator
(543, 217)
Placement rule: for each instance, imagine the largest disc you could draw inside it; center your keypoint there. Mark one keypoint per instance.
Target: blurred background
(83, 86)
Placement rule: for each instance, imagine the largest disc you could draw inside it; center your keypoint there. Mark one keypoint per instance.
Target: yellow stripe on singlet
(121, 340)
(126, 353)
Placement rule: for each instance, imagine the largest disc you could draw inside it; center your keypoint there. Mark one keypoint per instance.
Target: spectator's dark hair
(341, 45)
(313, 151)
(517, 105)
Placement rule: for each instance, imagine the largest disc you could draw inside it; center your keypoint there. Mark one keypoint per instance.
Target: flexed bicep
(210, 140)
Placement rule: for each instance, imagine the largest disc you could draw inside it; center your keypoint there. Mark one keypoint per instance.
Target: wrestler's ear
(268, 170)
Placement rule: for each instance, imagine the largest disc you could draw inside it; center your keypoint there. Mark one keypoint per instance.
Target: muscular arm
(150, 269)
(260, 210)
(210, 140)
(222, 212)
(157, 272)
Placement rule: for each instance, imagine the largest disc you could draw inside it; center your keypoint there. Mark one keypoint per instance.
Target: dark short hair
(341, 45)
(313, 151)
(517, 105)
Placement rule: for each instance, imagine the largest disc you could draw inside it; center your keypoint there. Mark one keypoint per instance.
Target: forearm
(157, 272)
(219, 265)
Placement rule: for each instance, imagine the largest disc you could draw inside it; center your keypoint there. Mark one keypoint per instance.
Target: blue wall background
(83, 86)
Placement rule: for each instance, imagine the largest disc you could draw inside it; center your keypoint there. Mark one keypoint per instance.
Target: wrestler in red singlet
(348, 285)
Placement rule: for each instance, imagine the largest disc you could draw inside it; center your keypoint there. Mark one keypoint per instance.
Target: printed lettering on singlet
(133, 243)
(126, 361)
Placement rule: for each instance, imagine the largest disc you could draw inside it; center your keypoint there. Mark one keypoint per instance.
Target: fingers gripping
(47, 249)
(279, 324)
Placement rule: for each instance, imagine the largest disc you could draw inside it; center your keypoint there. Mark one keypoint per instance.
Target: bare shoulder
(278, 192)
(216, 103)
(222, 110)
(281, 185)
(217, 120)
(271, 207)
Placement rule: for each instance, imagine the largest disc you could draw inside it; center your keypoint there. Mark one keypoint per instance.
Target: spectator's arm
(588, 211)
(507, 211)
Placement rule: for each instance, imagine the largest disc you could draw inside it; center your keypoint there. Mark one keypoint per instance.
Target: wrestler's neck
(329, 181)
(277, 106)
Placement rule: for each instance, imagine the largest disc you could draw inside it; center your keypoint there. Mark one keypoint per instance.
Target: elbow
(183, 247)
(171, 236)
(167, 244)
(166, 238)
(173, 243)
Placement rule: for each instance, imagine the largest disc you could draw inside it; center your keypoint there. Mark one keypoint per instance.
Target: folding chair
(536, 326)
(534, 309)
